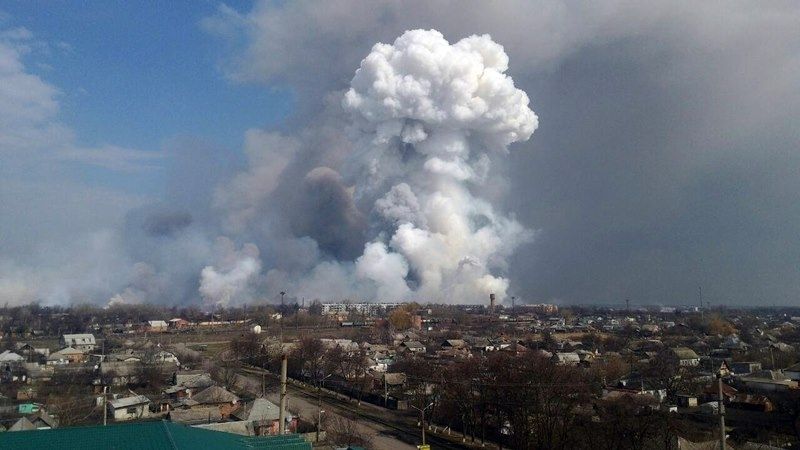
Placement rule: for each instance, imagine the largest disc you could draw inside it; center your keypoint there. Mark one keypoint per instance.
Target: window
(131, 410)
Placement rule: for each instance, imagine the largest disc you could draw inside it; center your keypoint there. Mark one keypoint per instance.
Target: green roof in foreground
(144, 436)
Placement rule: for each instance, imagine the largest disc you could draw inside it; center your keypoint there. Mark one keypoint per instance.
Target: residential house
(412, 347)
(156, 326)
(30, 352)
(621, 393)
(129, 408)
(686, 357)
(83, 342)
(482, 344)
(126, 356)
(10, 364)
(193, 379)
(23, 424)
(711, 392)
(178, 324)
(118, 373)
(454, 344)
(734, 343)
(643, 386)
(391, 381)
(174, 394)
(196, 415)
(263, 417)
(769, 381)
(164, 357)
(345, 344)
(650, 329)
(67, 355)
(219, 397)
(567, 358)
(745, 367)
(42, 420)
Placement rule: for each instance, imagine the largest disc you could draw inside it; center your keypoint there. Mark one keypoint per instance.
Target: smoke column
(380, 200)
(426, 116)
(231, 277)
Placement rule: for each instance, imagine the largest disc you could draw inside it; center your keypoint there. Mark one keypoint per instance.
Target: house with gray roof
(130, 408)
(84, 342)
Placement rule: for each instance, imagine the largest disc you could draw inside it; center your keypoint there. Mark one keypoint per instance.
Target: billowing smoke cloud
(426, 114)
(392, 208)
(230, 279)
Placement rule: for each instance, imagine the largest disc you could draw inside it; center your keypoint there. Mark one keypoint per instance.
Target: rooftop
(144, 435)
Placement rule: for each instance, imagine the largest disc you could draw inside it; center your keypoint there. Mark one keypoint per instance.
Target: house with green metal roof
(145, 436)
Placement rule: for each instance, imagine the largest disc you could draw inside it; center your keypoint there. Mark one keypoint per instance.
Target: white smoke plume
(232, 277)
(379, 198)
(426, 114)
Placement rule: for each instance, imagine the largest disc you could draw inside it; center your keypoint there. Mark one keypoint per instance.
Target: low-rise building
(130, 408)
(178, 324)
(156, 326)
(83, 342)
(412, 347)
(65, 356)
(686, 357)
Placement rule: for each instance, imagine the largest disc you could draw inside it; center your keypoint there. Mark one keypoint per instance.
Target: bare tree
(345, 432)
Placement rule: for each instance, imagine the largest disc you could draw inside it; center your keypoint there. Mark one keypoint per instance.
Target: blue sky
(140, 77)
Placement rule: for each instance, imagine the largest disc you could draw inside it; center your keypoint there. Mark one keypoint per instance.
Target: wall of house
(134, 412)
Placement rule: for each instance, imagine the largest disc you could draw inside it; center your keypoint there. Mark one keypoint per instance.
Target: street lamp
(422, 413)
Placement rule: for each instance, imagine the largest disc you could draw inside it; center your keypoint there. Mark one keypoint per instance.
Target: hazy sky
(160, 153)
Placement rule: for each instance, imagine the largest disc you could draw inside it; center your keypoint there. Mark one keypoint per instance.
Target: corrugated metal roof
(144, 436)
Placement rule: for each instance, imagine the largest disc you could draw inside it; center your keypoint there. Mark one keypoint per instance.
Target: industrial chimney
(491, 303)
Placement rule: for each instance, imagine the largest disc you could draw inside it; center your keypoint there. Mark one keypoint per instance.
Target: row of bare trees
(526, 401)
(310, 360)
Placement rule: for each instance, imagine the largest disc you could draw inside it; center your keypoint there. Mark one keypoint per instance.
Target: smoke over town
(403, 217)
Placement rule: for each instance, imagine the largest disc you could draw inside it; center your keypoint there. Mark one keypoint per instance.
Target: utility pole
(628, 305)
(319, 410)
(423, 426)
(281, 319)
(721, 410)
(105, 407)
(319, 403)
(282, 409)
